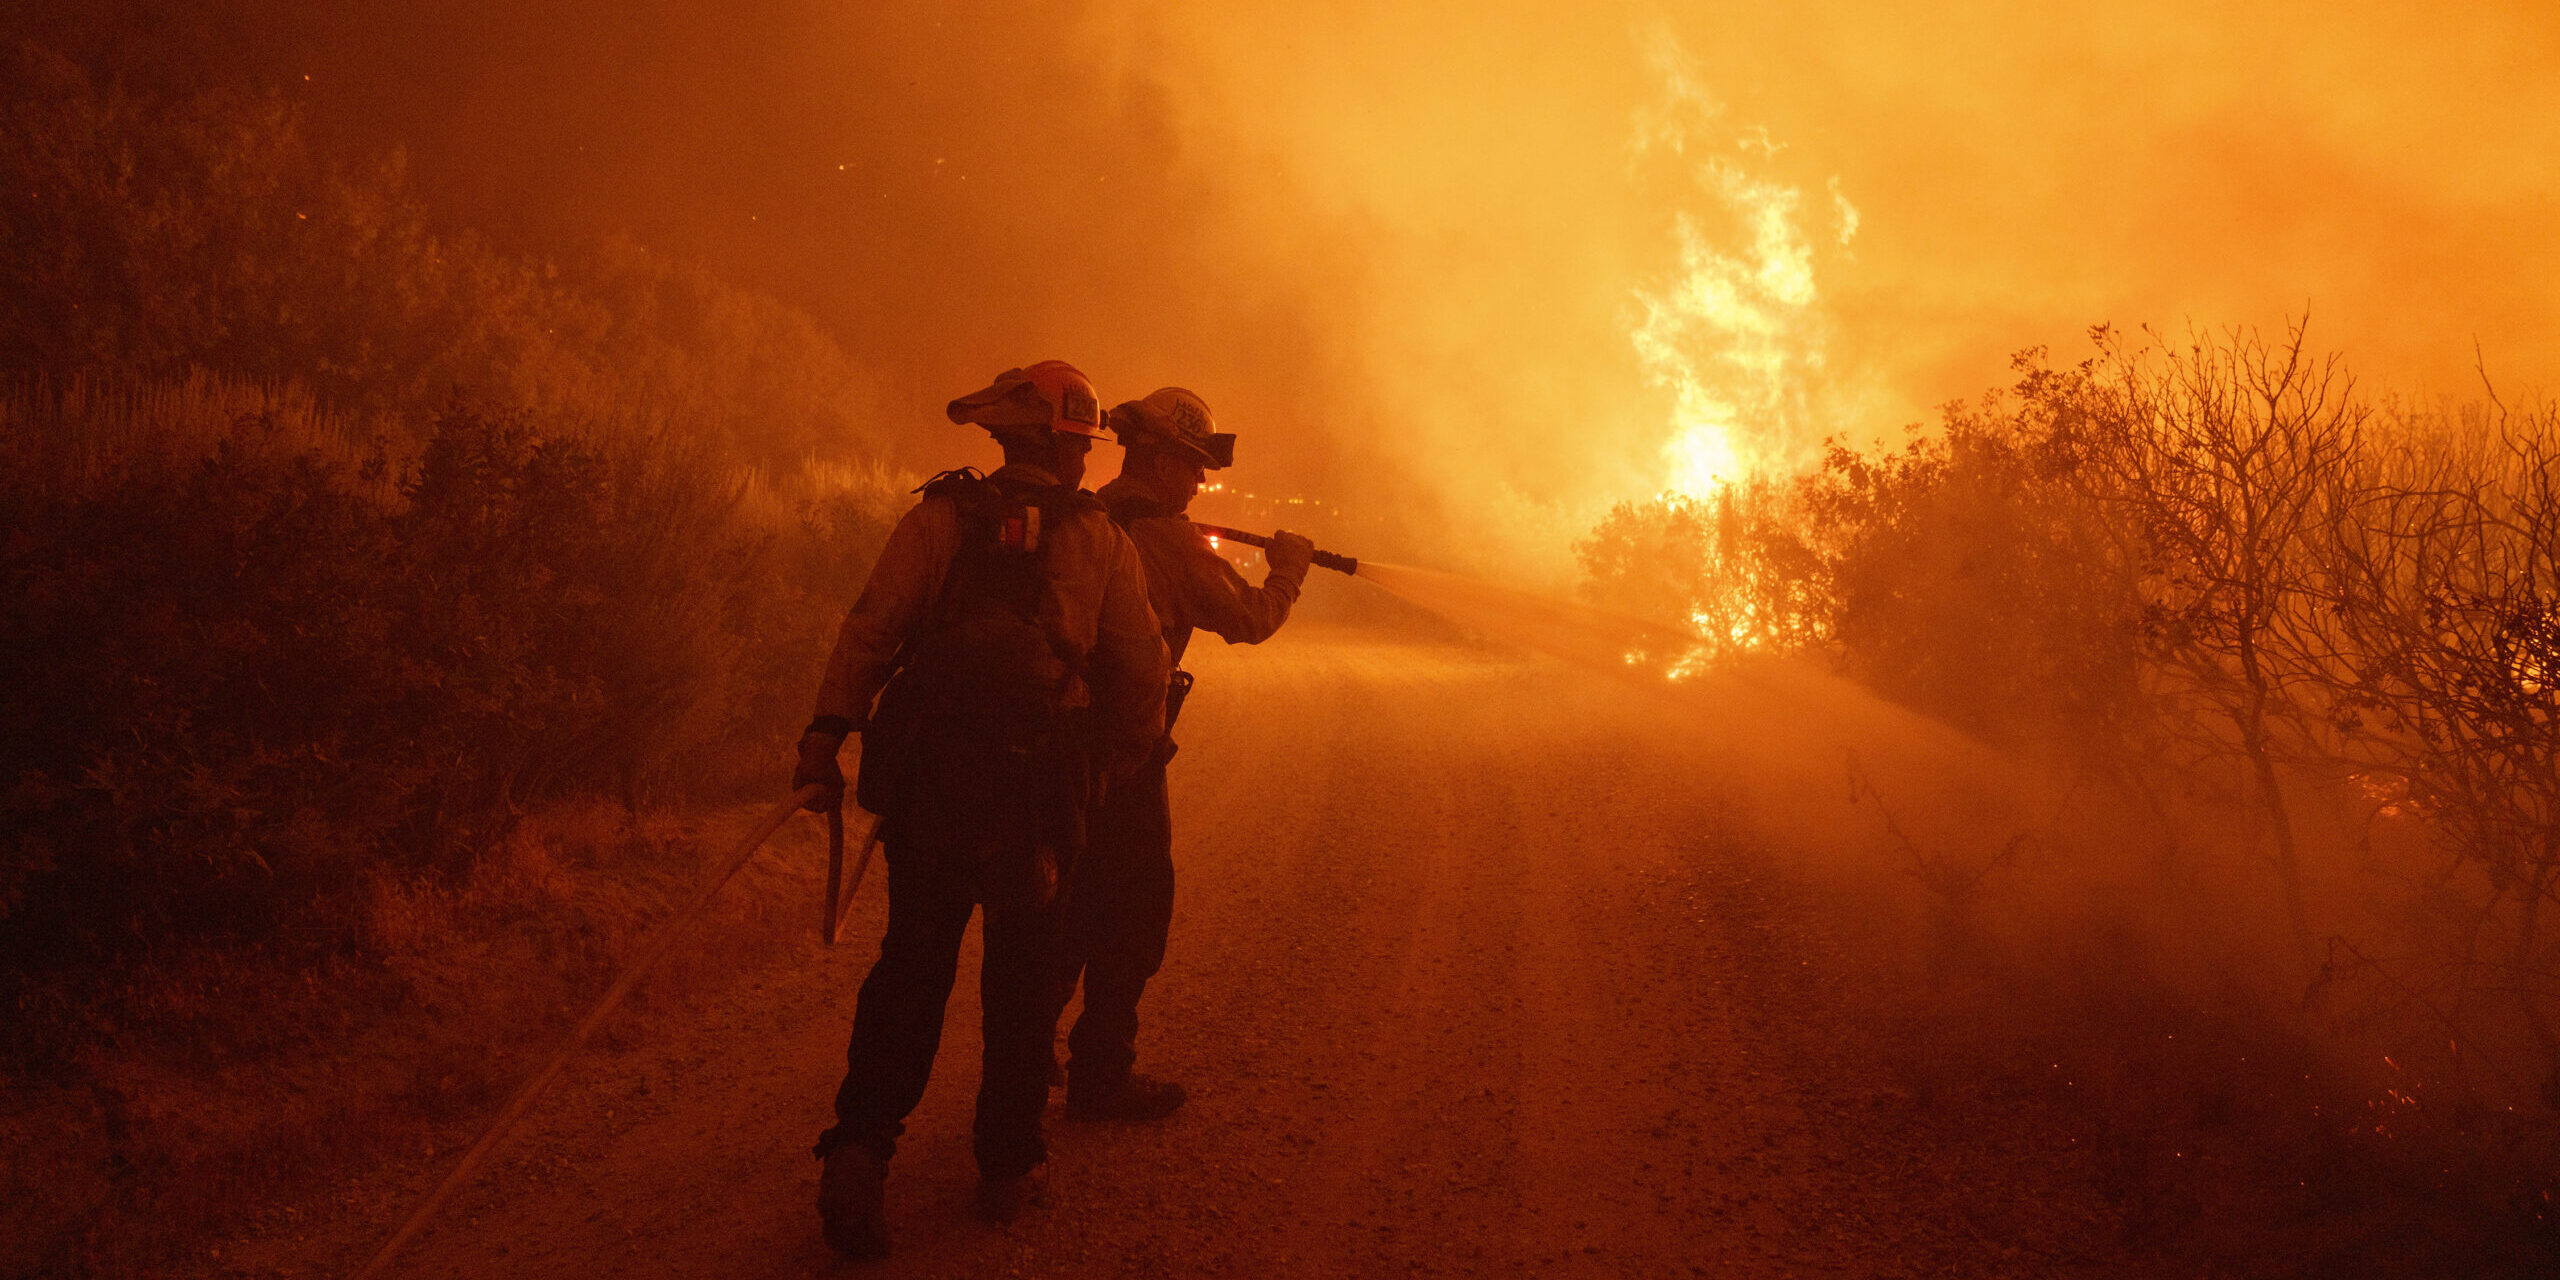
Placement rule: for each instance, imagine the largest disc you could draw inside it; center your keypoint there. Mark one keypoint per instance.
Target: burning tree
(1734, 569)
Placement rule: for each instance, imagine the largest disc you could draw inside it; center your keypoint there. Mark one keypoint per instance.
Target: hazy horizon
(1490, 268)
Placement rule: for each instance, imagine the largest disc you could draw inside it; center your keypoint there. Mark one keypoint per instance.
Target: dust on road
(1476, 969)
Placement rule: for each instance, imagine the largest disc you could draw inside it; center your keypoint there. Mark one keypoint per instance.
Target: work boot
(1001, 1200)
(1136, 1096)
(852, 1202)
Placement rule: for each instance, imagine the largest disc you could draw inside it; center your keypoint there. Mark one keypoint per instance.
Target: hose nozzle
(1322, 559)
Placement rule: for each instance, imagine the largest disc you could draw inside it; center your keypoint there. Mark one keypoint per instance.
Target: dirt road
(1476, 970)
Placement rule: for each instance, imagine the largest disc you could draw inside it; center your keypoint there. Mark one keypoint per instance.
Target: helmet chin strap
(1067, 461)
(1174, 495)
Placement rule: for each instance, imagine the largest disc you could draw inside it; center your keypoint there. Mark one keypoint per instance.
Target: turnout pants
(897, 1020)
(1119, 909)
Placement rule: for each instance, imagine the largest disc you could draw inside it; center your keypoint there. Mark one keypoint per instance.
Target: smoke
(1578, 633)
(1586, 236)
(1472, 274)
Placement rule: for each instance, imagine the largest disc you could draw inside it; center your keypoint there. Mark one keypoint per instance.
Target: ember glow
(1735, 332)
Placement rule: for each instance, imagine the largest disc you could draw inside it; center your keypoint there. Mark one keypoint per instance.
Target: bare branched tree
(2441, 595)
(2214, 459)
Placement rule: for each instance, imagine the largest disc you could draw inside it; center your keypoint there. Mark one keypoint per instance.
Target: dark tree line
(150, 236)
(331, 544)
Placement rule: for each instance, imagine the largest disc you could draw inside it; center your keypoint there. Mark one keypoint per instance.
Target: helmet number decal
(1081, 407)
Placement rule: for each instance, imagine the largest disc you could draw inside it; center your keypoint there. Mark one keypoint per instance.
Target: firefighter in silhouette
(1006, 636)
(1120, 902)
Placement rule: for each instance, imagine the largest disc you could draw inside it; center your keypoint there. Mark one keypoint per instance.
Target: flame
(1736, 332)
(1735, 329)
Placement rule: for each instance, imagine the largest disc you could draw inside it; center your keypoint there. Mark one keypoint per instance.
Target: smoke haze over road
(438, 444)
(1412, 255)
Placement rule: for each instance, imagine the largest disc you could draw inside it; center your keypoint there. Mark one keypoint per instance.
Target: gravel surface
(1477, 969)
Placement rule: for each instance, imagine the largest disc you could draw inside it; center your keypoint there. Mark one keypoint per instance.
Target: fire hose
(1322, 559)
(668, 935)
(839, 904)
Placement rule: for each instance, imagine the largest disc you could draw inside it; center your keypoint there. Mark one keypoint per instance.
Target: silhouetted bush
(1958, 574)
(340, 559)
(254, 676)
(334, 542)
(2434, 652)
(1733, 565)
(151, 237)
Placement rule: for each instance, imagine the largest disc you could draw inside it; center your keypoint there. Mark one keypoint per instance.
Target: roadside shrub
(1959, 574)
(1967, 580)
(250, 681)
(1733, 567)
(333, 542)
(341, 559)
(2439, 664)
(2214, 582)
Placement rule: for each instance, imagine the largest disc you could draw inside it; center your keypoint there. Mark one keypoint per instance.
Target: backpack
(973, 727)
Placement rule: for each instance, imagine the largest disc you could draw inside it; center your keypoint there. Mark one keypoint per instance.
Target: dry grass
(219, 1088)
(67, 438)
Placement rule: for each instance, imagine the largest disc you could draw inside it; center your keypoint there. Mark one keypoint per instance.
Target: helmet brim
(1217, 454)
(1015, 402)
(1129, 422)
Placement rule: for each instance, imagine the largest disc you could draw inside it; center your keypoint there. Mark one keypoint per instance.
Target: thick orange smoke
(1472, 273)
(1726, 231)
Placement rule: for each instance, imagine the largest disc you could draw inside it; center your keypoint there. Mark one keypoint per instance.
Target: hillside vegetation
(351, 569)
(2281, 661)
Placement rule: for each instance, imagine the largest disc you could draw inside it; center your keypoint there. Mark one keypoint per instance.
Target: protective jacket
(1190, 585)
(1092, 606)
(982, 583)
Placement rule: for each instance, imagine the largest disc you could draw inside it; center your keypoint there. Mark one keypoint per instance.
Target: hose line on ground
(668, 935)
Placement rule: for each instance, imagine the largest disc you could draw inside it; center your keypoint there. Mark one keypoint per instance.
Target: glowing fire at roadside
(1735, 333)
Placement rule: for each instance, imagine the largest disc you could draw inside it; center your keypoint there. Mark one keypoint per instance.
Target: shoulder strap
(973, 493)
(1057, 500)
(1128, 508)
(1056, 504)
(967, 489)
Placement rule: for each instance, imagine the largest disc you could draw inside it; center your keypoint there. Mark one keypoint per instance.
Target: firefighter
(1006, 635)
(1120, 903)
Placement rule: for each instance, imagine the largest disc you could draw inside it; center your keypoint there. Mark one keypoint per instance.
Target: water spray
(1562, 628)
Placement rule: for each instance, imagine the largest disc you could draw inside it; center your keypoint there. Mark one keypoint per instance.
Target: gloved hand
(818, 765)
(1289, 555)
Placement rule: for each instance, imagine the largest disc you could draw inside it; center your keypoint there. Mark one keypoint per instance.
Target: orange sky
(1408, 251)
(2017, 172)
